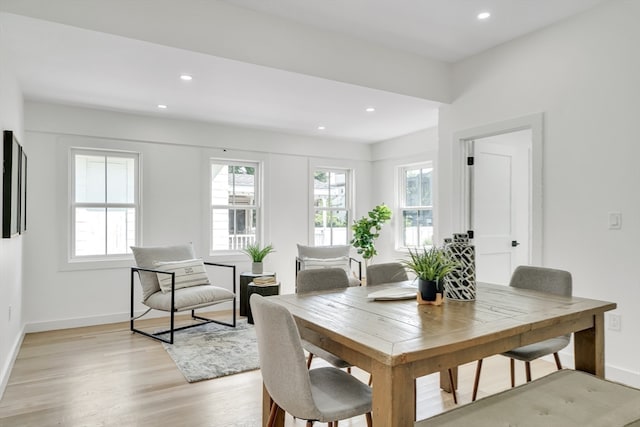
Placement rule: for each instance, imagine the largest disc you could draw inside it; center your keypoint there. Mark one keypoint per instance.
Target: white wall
(174, 190)
(11, 258)
(583, 75)
(387, 157)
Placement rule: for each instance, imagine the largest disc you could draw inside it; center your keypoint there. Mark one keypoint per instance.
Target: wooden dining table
(398, 341)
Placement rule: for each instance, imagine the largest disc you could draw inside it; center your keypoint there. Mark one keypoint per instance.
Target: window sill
(97, 264)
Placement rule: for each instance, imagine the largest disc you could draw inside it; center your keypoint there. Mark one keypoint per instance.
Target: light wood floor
(105, 376)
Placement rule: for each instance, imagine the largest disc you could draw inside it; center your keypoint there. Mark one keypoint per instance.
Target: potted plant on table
(257, 255)
(431, 267)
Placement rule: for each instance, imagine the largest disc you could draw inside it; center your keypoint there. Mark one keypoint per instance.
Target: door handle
(515, 243)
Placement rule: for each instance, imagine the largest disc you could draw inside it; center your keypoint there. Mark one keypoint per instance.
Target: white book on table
(401, 292)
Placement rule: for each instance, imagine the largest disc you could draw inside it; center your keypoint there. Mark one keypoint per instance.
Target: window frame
(258, 202)
(402, 206)
(72, 204)
(349, 195)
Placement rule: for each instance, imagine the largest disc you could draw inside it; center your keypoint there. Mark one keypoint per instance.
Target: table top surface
(391, 330)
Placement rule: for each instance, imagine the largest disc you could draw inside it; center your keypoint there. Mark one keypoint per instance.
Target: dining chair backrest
(542, 279)
(282, 361)
(386, 273)
(321, 279)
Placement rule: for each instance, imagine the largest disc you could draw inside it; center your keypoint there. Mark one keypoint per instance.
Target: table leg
(444, 379)
(588, 348)
(394, 398)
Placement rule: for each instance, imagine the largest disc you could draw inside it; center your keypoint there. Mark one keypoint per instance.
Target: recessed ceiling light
(186, 77)
(370, 109)
(483, 15)
(321, 127)
(162, 106)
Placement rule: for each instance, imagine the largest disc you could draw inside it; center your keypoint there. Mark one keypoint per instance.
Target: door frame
(534, 122)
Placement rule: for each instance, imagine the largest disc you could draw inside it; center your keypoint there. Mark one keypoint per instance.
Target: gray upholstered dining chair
(386, 273)
(557, 282)
(322, 280)
(324, 394)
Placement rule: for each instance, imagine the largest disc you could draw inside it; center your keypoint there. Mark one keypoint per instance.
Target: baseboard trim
(79, 322)
(8, 367)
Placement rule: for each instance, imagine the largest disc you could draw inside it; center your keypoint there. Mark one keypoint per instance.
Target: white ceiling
(439, 29)
(60, 63)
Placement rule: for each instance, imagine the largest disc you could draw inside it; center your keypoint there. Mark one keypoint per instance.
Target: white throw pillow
(314, 263)
(189, 272)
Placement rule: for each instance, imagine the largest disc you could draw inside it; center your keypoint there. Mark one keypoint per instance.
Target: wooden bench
(562, 399)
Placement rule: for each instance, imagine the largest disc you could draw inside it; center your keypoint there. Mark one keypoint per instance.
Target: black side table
(264, 290)
(245, 279)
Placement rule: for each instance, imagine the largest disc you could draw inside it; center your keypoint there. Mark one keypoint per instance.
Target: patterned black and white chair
(174, 280)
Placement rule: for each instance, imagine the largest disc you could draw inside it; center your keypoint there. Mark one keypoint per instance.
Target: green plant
(367, 229)
(256, 253)
(430, 264)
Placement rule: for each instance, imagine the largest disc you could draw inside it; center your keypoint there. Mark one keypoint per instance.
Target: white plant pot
(256, 267)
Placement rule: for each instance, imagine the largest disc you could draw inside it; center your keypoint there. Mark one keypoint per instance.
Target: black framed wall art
(11, 175)
(23, 190)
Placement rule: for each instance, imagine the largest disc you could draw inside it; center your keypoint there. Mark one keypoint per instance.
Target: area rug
(212, 351)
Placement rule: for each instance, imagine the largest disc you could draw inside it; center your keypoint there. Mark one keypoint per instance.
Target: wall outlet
(615, 322)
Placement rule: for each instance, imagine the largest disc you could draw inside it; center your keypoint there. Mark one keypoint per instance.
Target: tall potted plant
(367, 229)
(430, 266)
(257, 255)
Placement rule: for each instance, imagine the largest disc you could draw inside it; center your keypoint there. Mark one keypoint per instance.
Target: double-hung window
(416, 206)
(235, 204)
(104, 207)
(331, 206)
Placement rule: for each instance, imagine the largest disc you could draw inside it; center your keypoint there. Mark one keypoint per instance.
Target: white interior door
(500, 204)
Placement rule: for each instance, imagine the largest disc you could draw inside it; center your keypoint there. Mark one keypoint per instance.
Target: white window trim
(401, 202)
(349, 198)
(99, 260)
(259, 206)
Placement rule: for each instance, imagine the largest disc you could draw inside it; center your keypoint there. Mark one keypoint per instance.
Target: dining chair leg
(453, 387)
(557, 358)
(527, 366)
(369, 420)
(309, 423)
(476, 381)
(309, 359)
(512, 369)
(273, 414)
